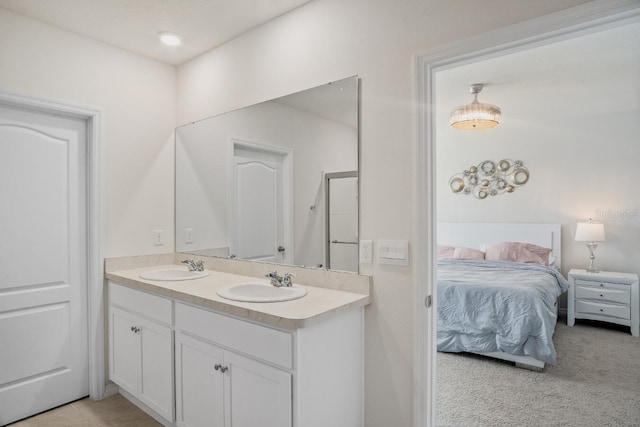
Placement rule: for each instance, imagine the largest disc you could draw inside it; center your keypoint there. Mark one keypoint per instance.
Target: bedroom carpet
(596, 382)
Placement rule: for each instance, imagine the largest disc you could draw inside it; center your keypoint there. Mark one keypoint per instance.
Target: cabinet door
(156, 375)
(124, 345)
(256, 394)
(199, 385)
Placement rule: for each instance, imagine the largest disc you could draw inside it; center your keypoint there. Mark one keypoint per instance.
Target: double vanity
(218, 348)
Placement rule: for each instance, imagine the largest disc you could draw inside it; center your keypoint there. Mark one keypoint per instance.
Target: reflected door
(258, 187)
(43, 278)
(342, 221)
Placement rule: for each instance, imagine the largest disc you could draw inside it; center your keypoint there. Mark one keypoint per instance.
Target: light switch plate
(394, 252)
(366, 251)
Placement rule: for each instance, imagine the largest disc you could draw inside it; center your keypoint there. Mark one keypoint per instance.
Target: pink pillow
(467, 253)
(445, 252)
(518, 252)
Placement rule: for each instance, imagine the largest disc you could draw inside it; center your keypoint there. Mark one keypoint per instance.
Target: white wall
(574, 119)
(327, 40)
(136, 97)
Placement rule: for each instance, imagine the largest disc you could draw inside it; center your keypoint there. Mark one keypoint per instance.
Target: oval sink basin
(172, 274)
(261, 292)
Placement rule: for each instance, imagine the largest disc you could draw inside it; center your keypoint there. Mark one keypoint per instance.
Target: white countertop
(319, 303)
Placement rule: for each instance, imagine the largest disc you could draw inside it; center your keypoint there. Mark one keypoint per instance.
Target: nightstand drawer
(604, 294)
(602, 285)
(619, 311)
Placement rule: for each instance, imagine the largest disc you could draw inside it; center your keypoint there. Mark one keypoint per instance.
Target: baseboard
(110, 389)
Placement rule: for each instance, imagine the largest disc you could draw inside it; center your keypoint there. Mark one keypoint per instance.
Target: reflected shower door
(342, 220)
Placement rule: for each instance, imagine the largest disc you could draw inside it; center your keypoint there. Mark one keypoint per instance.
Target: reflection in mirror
(274, 182)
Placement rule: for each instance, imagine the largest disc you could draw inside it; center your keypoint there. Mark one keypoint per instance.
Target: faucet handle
(199, 265)
(286, 280)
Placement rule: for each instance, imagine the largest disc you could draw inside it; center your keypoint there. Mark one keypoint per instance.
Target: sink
(261, 292)
(171, 274)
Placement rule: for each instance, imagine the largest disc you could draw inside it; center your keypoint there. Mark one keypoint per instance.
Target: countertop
(319, 303)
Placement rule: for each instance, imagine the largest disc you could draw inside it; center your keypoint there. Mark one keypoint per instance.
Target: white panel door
(43, 278)
(257, 394)
(258, 232)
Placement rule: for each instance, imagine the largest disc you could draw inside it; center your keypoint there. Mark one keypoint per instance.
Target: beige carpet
(112, 411)
(596, 382)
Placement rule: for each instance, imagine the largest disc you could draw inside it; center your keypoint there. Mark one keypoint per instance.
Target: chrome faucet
(194, 265)
(278, 281)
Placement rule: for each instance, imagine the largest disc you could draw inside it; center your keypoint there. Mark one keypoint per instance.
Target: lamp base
(592, 265)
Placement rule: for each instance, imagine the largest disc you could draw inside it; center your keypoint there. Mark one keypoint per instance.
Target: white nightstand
(606, 296)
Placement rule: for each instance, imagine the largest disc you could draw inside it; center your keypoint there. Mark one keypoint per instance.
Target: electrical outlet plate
(366, 251)
(158, 237)
(188, 235)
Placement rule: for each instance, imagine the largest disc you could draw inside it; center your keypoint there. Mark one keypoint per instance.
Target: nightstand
(606, 296)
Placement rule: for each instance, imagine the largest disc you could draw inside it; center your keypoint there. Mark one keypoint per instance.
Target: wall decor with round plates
(490, 178)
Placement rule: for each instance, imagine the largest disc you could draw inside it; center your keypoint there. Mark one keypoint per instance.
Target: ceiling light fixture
(170, 39)
(475, 116)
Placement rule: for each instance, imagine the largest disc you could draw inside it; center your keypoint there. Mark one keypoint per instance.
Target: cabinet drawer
(601, 285)
(588, 307)
(258, 341)
(604, 294)
(151, 306)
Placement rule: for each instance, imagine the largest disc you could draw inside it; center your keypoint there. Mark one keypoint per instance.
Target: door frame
(94, 197)
(287, 187)
(584, 19)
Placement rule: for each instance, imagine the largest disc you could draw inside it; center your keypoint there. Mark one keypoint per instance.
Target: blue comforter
(487, 306)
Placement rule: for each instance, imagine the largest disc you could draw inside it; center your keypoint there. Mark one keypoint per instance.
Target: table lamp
(590, 232)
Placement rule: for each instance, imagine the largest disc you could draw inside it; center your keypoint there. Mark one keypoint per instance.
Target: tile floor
(112, 411)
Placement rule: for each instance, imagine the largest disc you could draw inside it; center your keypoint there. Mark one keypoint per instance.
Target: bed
(499, 308)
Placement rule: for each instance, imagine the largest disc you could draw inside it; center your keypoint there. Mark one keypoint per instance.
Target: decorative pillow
(445, 252)
(518, 252)
(467, 253)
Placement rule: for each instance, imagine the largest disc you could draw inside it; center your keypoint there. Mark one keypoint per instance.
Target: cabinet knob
(135, 329)
(601, 285)
(601, 295)
(219, 367)
(601, 310)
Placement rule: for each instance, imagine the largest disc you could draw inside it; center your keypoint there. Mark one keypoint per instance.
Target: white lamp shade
(589, 232)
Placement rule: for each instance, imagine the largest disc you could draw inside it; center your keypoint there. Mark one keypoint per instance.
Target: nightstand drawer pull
(609, 295)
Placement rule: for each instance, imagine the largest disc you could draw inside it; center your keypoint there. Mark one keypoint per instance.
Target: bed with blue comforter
(490, 306)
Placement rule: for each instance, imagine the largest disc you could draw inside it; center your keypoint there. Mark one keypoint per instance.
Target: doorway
(567, 24)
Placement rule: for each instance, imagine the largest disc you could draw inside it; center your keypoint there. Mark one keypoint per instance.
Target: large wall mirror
(274, 182)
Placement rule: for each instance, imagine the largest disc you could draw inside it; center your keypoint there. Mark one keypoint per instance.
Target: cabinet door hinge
(428, 301)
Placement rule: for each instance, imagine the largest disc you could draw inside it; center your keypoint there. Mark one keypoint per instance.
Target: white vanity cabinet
(141, 347)
(235, 373)
(217, 388)
(191, 365)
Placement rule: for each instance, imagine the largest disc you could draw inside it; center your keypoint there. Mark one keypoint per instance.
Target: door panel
(258, 395)
(258, 230)
(199, 386)
(156, 378)
(124, 364)
(43, 283)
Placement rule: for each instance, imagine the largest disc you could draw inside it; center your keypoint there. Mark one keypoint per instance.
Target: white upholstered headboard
(479, 235)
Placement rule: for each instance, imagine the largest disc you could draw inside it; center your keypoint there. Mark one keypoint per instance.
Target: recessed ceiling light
(170, 39)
